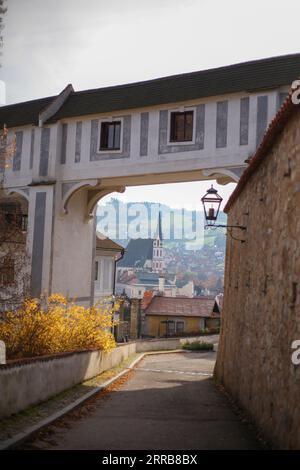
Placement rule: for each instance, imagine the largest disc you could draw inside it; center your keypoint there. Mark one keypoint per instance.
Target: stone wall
(170, 344)
(27, 382)
(261, 314)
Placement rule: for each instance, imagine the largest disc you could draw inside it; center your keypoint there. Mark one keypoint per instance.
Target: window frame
(183, 329)
(114, 120)
(192, 109)
(168, 332)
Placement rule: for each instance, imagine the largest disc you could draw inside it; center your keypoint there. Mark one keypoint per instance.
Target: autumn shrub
(54, 326)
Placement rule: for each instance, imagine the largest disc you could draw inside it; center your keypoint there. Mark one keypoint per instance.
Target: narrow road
(169, 402)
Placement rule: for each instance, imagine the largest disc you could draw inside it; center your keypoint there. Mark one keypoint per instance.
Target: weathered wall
(25, 384)
(192, 325)
(169, 344)
(261, 314)
(212, 323)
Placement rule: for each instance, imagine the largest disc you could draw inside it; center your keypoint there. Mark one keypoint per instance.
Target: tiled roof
(248, 76)
(21, 114)
(276, 126)
(138, 251)
(148, 294)
(182, 306)
(108, 244)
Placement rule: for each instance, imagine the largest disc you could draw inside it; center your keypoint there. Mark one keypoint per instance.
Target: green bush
(198, 346)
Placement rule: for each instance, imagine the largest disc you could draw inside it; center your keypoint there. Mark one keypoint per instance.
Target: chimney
(161, 284)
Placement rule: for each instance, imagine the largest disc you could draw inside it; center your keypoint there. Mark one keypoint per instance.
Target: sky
(175, 195)
(96, 43)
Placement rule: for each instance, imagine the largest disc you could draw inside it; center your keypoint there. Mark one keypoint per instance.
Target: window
(110, 137)
(170, 327)
(180, 327)
(181, 126)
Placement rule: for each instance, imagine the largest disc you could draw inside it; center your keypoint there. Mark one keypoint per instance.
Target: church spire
(159, 228)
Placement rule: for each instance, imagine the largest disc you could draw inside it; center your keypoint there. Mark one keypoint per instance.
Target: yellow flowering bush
(56, 325)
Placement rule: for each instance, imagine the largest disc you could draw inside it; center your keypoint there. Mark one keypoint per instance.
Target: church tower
(158, 264)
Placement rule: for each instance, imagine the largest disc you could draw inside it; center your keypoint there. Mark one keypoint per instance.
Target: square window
(110, 137)
(170, 327)
(182, 126)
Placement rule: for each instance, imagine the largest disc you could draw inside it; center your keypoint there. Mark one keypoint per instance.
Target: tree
(14, 266)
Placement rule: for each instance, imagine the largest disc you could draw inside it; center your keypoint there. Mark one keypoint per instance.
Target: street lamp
(211, 203)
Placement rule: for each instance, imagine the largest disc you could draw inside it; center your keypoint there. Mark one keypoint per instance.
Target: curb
(23, 436)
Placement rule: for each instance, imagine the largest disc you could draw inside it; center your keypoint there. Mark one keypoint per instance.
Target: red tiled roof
(182, 306)
(147, 299)
(275, 128)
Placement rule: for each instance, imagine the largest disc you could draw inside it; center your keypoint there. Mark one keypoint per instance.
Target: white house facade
(107, 254)
(75, 148)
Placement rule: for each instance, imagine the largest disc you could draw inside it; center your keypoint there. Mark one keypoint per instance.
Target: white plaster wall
(104, 283)
(187, 290)
(73, 239)
(209, 157)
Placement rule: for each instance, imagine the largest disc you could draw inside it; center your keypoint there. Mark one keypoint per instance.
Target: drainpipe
(115, 270)
(113, 330)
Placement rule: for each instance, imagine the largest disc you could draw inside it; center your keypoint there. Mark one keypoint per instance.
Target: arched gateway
(74, 148)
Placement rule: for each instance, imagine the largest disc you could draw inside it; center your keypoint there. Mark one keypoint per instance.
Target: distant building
(145, 253)
(179, 316)
(142, 281)
(107, 253)
(185, 288)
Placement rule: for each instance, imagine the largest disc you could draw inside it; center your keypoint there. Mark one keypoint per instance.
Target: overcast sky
(95, 43)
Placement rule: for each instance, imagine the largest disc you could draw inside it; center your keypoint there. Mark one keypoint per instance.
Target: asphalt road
(169, 402)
